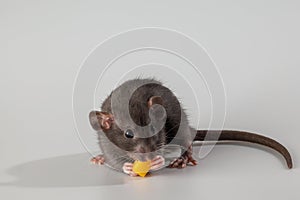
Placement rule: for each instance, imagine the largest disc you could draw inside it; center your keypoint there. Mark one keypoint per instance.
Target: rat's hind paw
(98, 160)
(183, 160)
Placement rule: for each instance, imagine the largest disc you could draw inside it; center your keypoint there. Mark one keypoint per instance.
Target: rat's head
(143, 135)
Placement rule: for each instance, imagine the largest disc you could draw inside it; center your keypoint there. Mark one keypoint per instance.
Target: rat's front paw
(128, 169)
(157, 163)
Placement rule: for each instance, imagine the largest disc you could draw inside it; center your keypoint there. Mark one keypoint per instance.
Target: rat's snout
(144, 153)
(141, 149)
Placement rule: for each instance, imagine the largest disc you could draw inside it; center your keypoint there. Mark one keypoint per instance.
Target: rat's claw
(183, 160)
(157, 163)
(98, 160)
(127, 169)
(178, 163)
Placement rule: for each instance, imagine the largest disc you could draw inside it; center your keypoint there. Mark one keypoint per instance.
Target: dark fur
(118, 149)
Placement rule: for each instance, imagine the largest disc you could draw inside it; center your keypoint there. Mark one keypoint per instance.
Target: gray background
(254, 43)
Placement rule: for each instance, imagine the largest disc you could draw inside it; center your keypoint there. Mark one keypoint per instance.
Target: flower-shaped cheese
(141, 168)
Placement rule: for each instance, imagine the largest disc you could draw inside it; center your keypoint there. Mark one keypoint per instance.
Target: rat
(141, 117)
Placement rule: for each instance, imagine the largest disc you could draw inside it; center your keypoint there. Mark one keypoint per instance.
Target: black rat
(141, 117)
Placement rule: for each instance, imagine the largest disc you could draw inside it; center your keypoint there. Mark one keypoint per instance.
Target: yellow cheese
(141, 168)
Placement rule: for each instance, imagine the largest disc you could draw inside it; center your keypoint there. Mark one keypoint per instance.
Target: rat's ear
(155, 100)
(100, 120)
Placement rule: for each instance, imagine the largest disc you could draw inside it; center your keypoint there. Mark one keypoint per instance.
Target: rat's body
(129, 128)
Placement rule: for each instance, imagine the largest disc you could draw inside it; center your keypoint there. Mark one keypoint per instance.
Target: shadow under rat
(64, 171)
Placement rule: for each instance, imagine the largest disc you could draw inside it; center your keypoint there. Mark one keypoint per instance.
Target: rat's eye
(129, 133)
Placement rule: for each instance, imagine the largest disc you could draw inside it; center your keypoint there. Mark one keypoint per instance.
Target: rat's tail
(230, 135)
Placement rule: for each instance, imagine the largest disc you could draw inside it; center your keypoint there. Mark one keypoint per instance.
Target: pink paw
(98, 160)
